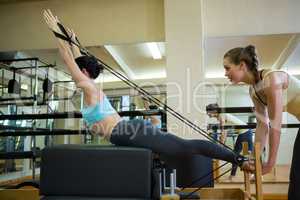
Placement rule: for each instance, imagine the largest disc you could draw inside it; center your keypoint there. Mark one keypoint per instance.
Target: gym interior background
(190, 35)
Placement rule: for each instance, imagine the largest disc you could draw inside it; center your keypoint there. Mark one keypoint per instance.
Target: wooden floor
(275, 185)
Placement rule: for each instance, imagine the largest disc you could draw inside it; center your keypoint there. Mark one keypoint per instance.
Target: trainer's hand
(266, 168)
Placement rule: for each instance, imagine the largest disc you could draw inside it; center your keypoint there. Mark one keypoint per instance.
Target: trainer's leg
(139, 134)
(294, 191)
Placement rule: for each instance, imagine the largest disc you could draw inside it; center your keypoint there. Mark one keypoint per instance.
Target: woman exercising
(272, 92)
(105, 121)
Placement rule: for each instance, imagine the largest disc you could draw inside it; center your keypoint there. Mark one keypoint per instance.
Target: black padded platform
(95, 172)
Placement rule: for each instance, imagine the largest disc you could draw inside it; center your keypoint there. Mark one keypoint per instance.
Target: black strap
(256, 93)
(260, 75)
(68, 39)
(259, 98)
(63, 37)
(63, 30)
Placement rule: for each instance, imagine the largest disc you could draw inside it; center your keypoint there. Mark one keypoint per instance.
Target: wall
(96, 22)
(250, 17)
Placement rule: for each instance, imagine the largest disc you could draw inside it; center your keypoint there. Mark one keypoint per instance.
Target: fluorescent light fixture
(152, 75)
(153, 47)
(294, 72)
(24, 86)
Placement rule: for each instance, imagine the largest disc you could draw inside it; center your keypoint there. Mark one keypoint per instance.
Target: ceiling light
(24, 86)
(294, 72)
(152, 75)
(153, 47)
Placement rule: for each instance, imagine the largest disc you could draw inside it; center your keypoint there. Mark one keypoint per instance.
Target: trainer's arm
(273, 92)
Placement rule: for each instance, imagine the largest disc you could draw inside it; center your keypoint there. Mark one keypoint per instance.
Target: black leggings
(238, 147)
(294, 189)
(138, 133)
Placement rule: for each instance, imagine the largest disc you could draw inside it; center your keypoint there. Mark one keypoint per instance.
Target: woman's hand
(63, 46)
(66, 53)
(51, 21)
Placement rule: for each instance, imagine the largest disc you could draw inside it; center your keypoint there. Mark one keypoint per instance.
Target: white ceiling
(140, 63)
(269, 48)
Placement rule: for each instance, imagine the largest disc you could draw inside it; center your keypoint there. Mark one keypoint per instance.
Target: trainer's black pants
(294, 187)
(137, 133)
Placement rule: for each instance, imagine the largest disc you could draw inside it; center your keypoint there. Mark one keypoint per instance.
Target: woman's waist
(130, 126)
(105, 127)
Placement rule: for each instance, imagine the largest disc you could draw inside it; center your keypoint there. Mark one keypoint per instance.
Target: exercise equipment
(31, 132)
(13, 85)
(82, 171)
(19, 155)
(230, 109)
(47, 85)
(248, 126)
(64, 115)
(16, 99)
(187, 167)
(171, 195)
(79, 172)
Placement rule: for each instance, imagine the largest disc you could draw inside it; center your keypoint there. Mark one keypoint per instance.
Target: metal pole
(2, 82)
(34, 121)
(175, 177)
(164, 179)
(172, 186)
(160, 184)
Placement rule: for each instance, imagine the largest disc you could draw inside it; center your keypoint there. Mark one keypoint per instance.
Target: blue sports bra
(98, 112)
